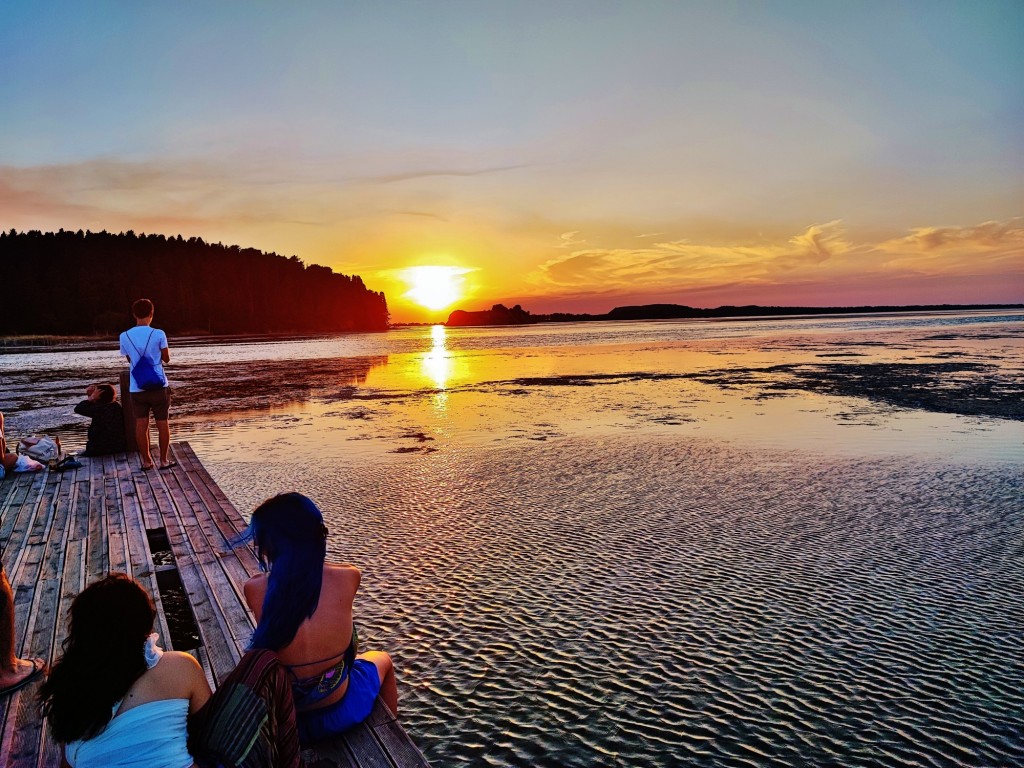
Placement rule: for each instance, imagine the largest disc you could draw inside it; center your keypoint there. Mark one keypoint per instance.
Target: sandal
(38, 666)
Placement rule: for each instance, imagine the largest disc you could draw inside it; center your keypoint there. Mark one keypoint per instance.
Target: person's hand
(91, 391)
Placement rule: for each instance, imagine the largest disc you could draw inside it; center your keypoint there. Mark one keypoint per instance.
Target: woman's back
(149, 724)
(322, 639)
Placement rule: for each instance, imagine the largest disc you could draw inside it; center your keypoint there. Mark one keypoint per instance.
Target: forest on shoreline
(84, 283)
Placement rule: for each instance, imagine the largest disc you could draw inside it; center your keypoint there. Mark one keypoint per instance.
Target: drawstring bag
(144, 372)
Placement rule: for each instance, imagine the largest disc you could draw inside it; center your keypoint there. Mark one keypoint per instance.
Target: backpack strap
(135, 346)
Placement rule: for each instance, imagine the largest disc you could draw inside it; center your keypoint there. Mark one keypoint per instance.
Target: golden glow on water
(437, 363)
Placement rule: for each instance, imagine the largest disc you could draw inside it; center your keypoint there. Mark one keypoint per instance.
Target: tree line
(85, 282)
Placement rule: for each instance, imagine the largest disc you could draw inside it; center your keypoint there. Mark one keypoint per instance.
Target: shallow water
(646, 543)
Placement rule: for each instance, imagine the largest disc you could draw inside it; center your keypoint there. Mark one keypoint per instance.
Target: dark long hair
(291, 541)
(103, 655)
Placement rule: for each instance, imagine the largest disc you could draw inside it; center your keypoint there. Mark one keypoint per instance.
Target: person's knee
(382, 661)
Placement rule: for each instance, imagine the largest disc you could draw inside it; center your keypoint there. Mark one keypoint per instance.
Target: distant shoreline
(20, 343)
(499, 314)
(26, 343)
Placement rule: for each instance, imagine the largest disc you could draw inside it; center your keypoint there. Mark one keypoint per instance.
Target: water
(774, 542)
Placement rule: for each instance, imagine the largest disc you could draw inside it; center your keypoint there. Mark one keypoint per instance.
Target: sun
(434, 287)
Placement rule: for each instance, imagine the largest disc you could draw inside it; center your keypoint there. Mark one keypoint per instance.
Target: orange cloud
(819, 254)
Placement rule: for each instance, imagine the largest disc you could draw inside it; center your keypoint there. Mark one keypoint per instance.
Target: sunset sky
(564, 155)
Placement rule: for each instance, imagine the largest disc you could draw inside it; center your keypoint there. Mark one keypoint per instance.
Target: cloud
(820, 254)
(818, 243)
(568, 239)
(989, 235)
(426, 174)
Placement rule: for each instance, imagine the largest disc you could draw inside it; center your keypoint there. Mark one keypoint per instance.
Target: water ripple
(659, 602)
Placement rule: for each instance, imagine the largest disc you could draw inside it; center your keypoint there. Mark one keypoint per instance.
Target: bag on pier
(42, 449)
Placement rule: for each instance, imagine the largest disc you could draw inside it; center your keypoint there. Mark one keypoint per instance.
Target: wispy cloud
(821, 253)
(434, 172)
(569, 239)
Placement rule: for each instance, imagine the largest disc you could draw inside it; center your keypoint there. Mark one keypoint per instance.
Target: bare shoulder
(343, 572)
(254, 590)
(182, 670)
(179, 662)
(340, 567)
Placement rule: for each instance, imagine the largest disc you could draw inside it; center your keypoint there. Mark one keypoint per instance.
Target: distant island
(499, 314)
(80, 283)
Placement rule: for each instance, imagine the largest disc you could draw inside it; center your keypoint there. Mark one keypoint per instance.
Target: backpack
(144, 372)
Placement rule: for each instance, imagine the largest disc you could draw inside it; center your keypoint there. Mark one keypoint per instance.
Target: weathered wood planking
(61, 531)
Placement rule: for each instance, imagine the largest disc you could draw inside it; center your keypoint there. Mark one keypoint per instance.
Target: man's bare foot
(25, 671)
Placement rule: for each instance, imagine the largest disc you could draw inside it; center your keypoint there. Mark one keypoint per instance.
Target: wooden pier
(167, 529)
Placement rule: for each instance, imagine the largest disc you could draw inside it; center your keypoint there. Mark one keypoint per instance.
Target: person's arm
(86, 408)
(192, 680)
(165, 353)
(201, 692)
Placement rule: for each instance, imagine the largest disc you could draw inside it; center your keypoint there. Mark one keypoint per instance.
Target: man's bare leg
(142, 440)
(163, 430)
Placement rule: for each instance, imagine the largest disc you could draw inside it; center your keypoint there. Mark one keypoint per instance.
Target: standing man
(146, 350)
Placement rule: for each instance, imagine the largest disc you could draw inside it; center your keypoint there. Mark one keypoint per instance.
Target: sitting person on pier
(12, 462)
(115, 699)
(303, 609)
(106, 431)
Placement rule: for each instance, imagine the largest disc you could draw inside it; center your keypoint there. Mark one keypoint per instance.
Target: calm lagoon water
(647, 544)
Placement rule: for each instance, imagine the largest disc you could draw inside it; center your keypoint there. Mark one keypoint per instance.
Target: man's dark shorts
(157, 400)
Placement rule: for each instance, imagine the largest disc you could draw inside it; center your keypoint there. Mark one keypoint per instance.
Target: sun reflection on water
(437, 363)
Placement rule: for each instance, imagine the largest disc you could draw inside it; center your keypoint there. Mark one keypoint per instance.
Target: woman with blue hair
(303, 609)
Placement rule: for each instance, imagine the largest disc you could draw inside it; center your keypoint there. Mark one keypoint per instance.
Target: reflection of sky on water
(473, 387)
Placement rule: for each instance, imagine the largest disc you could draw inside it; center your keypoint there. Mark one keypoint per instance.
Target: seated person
(115, 698)
(12, 462)
(303, 610)
(106, 432)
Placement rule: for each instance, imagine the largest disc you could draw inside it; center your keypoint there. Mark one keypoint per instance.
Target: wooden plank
(113, 514)
(40, 491)
(238, 563)
(237, 622)
(366, 750)
(329, 754)
(43, 619)
(24, 487)
(97, 562)
(21, 735)
(140, 559)
(212, 624)
(393, 738)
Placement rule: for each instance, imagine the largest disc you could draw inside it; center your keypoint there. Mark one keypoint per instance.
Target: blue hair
(291, 542)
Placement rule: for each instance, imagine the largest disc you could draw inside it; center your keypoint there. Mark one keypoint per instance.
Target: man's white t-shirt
(136, 342)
